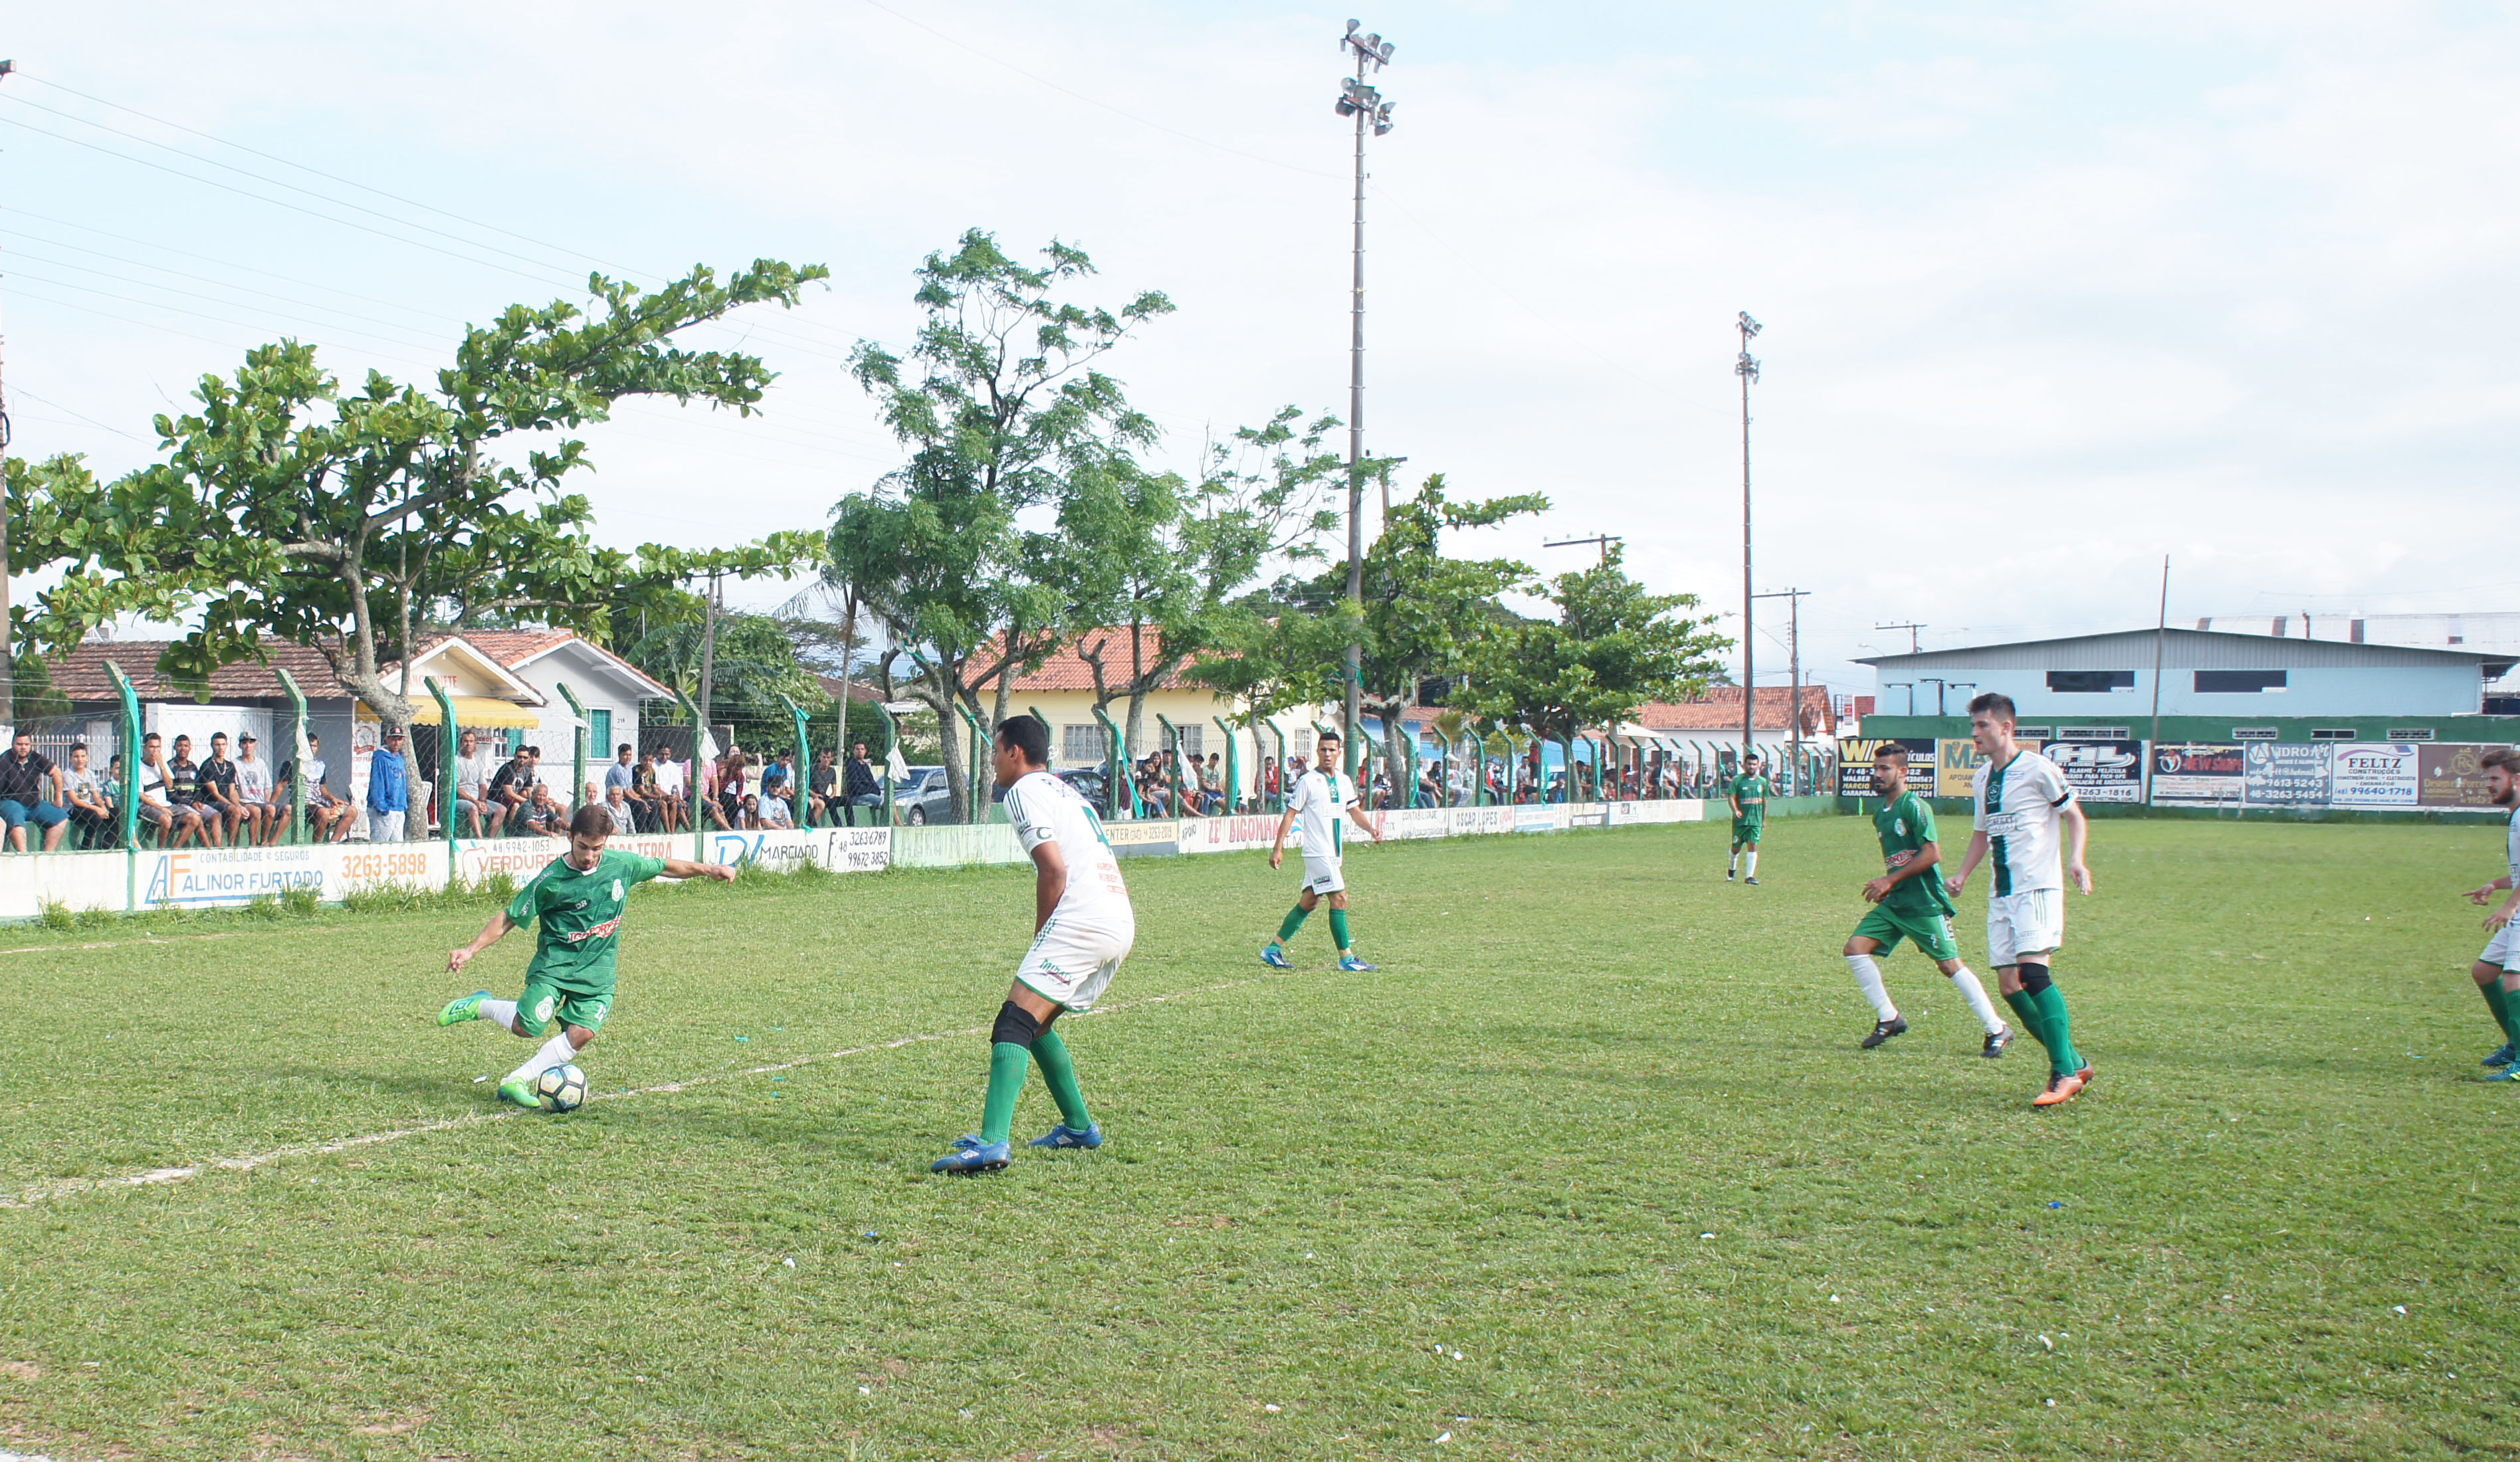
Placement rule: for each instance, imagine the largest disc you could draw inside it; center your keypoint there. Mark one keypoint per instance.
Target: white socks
(1733, 867)
(1869, 976)
(555, 1051)
(500, 1013)
(1975, 993)
(1750, 863)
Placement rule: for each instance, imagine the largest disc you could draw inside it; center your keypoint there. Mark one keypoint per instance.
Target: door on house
(599, 736)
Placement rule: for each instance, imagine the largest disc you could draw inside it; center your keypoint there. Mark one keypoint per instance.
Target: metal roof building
(2204, 673)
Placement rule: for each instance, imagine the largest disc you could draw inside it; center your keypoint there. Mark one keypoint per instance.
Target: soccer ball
(562, 1088)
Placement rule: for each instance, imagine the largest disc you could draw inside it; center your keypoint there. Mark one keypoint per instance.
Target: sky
(2049, 292)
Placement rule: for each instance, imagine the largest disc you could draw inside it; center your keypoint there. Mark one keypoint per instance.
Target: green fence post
(1120, 776)
(797, 803)
(577, 762)
(891, 748)
(1232, 766)
(1181, 784)
(692, 781)
(297, 755)
(130, 787)
(445, 768)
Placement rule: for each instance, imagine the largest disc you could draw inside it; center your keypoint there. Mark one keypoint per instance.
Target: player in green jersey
(1748, 795)
(578, 901)
(1908, 902)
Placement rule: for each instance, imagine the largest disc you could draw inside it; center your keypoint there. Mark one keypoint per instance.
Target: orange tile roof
(80, 675)
(510, 647)
(1066, 670)
(1721, 710)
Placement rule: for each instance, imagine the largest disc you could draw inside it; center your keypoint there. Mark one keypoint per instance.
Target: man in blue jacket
(388, 789)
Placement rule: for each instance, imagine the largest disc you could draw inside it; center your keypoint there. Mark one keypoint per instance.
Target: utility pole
(1793, 599)
(1600, 540)
(7, 634)
(1911, 630)
(1748, 370)
(2160, 633)
(1364, 104)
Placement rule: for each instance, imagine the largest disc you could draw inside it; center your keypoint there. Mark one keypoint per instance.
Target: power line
(214, 299)
(22, 394)
(199, 314)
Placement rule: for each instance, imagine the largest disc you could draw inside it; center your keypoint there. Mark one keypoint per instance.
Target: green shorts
(1747, 834)
(544, 1001)
(1931, 932)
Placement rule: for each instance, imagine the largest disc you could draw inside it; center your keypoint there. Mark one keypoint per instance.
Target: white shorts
(2017, 924)
(1323, 876)
(2499, 954)
(1072, 964)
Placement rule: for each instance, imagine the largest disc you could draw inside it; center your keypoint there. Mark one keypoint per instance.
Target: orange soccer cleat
(2063, 1089)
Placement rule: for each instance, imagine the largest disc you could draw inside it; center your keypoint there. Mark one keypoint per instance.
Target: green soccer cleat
(462, 1009)
(521, 1093)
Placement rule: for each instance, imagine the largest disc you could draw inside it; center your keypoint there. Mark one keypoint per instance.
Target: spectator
(770, 808)
(648, 787)
(821, 790)
(1269, 785)
(785, 768)
(616, 801)
(474, 766)
(327, 818)
(747, 814)
(511, 786)
(620, 773)
(91, 811)
(184, 789)
(175, 823)
(218, 778)
(388, 789)
(1211, 784)
(541, 816)
(858, 785)
(253, 795)
(22, 770)
(732, 770)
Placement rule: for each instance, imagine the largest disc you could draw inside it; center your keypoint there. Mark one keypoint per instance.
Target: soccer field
(1591, 1169)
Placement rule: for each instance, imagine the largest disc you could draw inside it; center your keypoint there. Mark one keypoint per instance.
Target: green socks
(2498, 1000)
(2057, 1033)
(1294, 920)
(1008, 1062)
(2026, 1010)
(1338, 929)
(1059, 1074)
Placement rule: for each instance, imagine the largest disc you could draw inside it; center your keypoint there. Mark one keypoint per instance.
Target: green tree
(1611, 647)
(1003, 410)
(1163, 564)
(350, 521)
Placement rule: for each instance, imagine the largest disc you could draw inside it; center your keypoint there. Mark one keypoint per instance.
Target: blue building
(2204, 673)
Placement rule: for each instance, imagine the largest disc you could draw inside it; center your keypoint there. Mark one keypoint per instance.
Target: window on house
(2088, 682)
(1083, 743)
(1193, 738)
(2239, 682)
(1303, 746)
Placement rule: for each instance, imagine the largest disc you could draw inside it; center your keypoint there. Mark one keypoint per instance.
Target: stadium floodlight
(1362, 102)
(1748, 369)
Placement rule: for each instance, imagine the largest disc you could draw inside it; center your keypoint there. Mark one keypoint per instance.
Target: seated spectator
(176, 825)
(661, 783)
(218, 780)
(623, 771)
(24, 771)
(821, 791)
(541, 816)
(477, 811)
(616, 801)
(747, 814)
(83, 796)
(732, 771)
(327, 818)
(513, 786)
(184, 789)
(858, 785)
(770, 808)
(1211, 784)
(262, 813)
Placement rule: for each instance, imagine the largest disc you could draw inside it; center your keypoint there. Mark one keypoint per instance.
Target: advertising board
(2278, 774)
(2101, 771)
(2372, 775)
(2196, 774)
(1855, 766)
(2450, 776)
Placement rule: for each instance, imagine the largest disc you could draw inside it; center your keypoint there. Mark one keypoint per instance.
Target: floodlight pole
(1748, 370)
(1366, 106)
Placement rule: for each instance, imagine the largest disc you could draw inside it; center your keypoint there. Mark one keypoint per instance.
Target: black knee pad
(1015, 1027)
(2034, 978)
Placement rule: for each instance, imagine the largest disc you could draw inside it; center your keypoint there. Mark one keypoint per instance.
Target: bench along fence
(144, 879)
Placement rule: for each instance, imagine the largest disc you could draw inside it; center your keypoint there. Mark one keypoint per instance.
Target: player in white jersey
(1322, 798)
(2025, 811)
(2497, 971)
(1083, 926)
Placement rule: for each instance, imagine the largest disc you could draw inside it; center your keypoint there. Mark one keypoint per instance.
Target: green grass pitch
(1591, 1169)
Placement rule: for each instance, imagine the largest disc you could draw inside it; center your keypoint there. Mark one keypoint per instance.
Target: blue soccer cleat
(1274, 957)
(1063, 1135)
(1355, 966)
(972, 1155)
(2500, 1055)
(2507, 1073)
(469, 1007)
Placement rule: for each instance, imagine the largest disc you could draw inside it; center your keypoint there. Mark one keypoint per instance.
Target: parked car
(1090, 783)
(926, 797)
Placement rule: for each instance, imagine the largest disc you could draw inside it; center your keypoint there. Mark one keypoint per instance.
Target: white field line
(115, 943)
(248, 1162)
